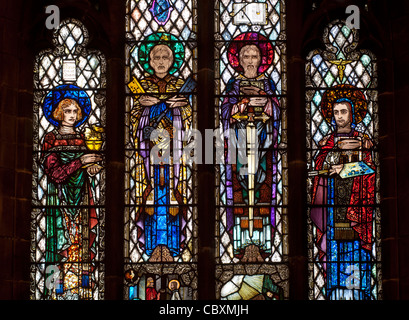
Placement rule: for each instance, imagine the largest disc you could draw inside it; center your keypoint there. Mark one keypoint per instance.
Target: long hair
(58, 113)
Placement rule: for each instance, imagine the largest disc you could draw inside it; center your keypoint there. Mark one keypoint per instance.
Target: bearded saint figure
(344, 195)
(251, 107)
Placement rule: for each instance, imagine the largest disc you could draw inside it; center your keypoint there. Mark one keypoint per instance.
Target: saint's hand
(90, 158)
(94, 169)
(250, 91)
(148, 101)
(335, 169)
(176, 102)
(367, 144)
(259, 101)
(349, 144)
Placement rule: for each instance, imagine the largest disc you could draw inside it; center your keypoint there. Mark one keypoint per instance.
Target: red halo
(250, 38)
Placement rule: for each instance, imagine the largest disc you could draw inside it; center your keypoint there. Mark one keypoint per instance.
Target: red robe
(151, 293)
(58, 172)
(360, 210)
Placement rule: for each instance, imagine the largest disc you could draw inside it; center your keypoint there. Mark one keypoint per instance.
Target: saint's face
(342, 114)
(161, 59)
(149, 283)
(250, 59)
(70, 114)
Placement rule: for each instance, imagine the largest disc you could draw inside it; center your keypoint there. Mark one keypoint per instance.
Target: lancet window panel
(160, 195)
(251, 130)
(68, 186)
(343, 169)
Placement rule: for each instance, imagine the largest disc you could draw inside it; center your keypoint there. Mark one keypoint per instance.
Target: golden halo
(171, 281)
(348, 92)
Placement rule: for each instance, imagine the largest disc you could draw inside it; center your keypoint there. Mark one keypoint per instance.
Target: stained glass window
(68, 190)
(251, 177)
(343, 169)
(161, 212)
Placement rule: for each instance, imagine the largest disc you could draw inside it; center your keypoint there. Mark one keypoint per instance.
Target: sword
(251, 144)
